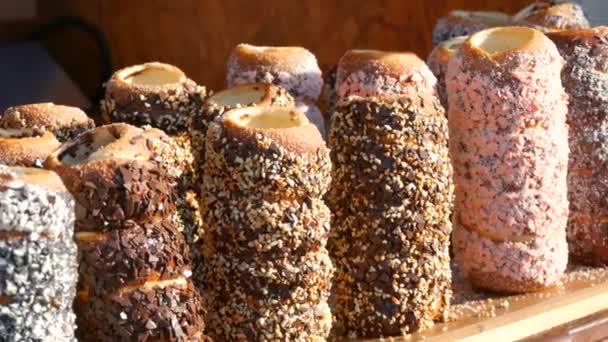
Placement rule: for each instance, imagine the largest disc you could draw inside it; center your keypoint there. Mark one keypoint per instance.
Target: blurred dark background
(197, 35)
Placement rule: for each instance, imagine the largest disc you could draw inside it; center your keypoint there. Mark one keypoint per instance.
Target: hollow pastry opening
(16, 133)
(244, 94)
(103, 143)
(266, 117)
(503, 39)
(490, 18)
(152, 74)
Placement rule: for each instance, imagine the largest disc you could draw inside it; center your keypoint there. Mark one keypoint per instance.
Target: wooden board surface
(198, 35)
(478, 316)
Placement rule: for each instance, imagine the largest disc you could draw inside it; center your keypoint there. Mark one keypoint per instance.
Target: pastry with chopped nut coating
(391, 199)
(243, 95)
(268, 273)
(38, 269)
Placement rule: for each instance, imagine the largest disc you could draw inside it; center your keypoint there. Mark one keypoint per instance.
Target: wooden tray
(479, 316)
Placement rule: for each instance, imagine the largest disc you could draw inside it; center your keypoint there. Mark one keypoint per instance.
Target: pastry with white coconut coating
(38, 269)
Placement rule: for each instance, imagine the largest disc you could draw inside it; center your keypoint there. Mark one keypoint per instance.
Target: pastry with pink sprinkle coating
(438, 63)
(463, 23)
(293, 68)
(508, 144)
(369, 73)
(585, 79)
(552, 15)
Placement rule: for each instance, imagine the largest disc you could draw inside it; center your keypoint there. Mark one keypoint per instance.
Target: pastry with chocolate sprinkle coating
(64, 122)
(464, 23)
(585, 79)
(553, 15)
(27, 147)
(509, 149)
(268, 274)
(135, 265)
(390, 199)
(38, 269)
(113, 177)
(162, 96)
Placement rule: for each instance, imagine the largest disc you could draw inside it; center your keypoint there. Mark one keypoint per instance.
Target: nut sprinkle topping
(391, 200)
(268, 274)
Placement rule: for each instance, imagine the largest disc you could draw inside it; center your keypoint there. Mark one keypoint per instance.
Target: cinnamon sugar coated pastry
(135, 263)
(268, 274)
(38, 269)
(293, 68)
(508, 144)
(27, 147)
(64, 122)
(391, 200)
(552, 15)
(464, 23)
(155, 94)
(374, 73)
(585, 78)
(438, 63)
